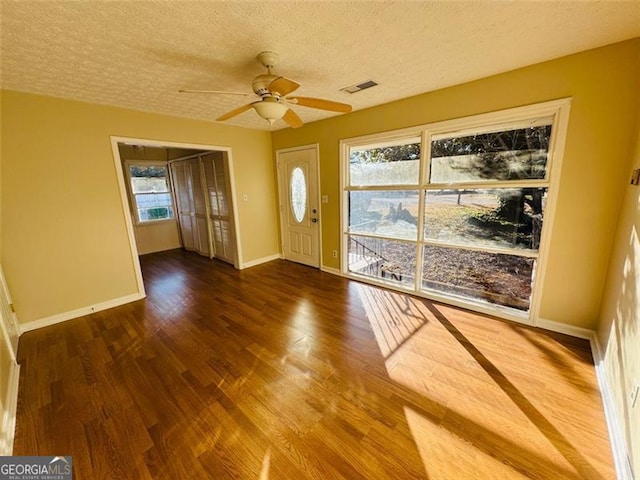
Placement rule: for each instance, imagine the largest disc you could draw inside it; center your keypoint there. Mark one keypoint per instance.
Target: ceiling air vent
(358, 87)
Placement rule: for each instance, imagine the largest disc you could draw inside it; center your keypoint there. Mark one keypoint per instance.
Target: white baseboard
(259, 261)
(564, 328)
(79, 312)
(8, 425)
(614, 425)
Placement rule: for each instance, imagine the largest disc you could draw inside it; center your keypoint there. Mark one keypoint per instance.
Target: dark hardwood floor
(284, 372)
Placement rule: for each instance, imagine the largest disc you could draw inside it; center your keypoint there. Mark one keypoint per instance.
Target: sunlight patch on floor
(495, 422)
(444, 453)
(302, 320)
(266, 462)
(394, 317)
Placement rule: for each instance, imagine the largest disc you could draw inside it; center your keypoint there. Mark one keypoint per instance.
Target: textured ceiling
(138, 54)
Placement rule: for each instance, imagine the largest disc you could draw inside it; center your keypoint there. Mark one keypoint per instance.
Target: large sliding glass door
(454, 210)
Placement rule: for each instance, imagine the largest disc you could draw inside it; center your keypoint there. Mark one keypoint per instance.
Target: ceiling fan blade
(283, 86)
(321, 104)
(217, 92)
(292, 119)
(234, 112)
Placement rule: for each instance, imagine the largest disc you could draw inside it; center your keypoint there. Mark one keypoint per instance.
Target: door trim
(280, 179)
(125, 201)
(9, 325)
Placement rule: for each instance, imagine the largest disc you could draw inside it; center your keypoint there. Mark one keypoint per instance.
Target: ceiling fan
(274, 103)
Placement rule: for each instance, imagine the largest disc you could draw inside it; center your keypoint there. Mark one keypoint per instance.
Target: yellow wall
(604, 86)
(64, 242)
(619, 329)
(157, 237)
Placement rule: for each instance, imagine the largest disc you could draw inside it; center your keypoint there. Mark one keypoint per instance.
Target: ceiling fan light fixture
(275, 102)
(270, 110)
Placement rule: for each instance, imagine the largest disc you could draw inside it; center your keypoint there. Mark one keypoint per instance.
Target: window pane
(392, 213)
(154, 206)
(396, 164)
(155, 213)
(518, 154)
(298, 194)
(503, 218)
(381, 258)
(153, 200)
(495, 278)
(146, 179)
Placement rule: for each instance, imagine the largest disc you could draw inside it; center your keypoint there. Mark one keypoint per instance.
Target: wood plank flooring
(284, 372)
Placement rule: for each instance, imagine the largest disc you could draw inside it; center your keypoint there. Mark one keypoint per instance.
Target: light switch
(325, 198)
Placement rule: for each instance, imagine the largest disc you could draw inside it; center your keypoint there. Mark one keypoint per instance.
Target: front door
(299, 206)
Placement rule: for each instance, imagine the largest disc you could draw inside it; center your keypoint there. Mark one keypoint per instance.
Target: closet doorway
(177, 195)
(203, 204)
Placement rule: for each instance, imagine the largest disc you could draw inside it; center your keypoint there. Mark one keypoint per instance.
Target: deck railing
(369, 261)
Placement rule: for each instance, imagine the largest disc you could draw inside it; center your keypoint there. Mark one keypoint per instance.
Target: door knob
(314, 220)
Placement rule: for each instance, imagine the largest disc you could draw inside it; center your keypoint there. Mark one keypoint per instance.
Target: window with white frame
(150, 191)
(452, 210)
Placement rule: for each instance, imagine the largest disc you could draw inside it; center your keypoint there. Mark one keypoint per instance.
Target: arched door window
(298, 194)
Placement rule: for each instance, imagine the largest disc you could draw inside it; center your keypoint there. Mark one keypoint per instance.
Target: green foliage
(158, 213)
(392, 153)
(505, 155)
(528, 139)
(153, 171)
